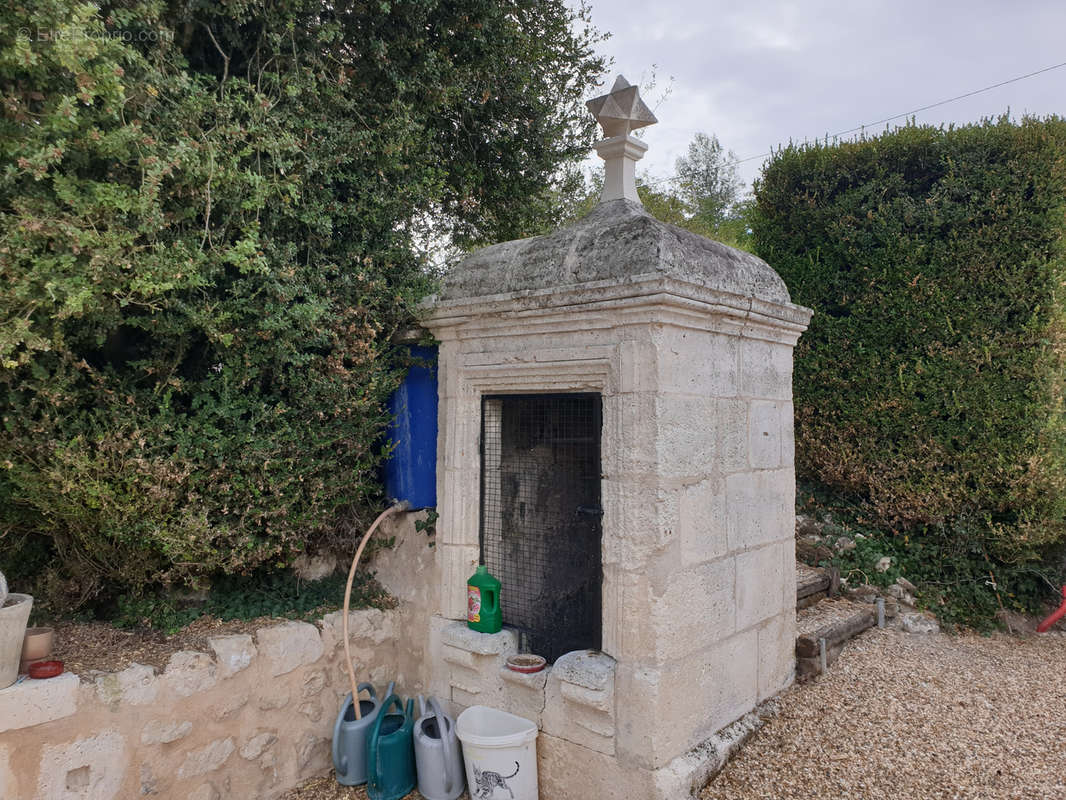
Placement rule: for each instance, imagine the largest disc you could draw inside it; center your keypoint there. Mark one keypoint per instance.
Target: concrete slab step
(836, 620)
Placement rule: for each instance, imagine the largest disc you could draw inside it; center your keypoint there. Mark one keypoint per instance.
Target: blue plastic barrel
(411, 469)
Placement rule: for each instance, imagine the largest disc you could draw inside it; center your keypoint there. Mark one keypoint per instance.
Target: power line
(923, 108)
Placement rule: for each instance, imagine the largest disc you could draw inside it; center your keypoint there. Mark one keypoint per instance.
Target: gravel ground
(327, 788)
(901, 716)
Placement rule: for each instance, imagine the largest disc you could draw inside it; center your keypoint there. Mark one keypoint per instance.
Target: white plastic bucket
(500, 751)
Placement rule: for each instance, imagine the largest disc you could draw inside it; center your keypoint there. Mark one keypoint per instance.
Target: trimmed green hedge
(930, 383)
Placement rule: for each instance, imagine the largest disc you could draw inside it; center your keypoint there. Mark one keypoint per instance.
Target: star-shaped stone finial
(621, 111)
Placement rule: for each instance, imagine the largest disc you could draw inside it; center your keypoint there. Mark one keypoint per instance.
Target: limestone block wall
(249, 718)
(704, 569)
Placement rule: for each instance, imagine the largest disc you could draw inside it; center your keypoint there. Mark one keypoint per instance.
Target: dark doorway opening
(541, 516)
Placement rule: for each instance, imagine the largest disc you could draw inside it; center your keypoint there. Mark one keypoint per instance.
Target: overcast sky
(761, 72)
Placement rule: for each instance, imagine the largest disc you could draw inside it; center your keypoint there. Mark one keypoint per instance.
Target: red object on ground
(45, 669)
(1056, 615)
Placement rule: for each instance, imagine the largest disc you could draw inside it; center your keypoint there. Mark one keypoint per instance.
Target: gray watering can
(437, 755)
(349, 735)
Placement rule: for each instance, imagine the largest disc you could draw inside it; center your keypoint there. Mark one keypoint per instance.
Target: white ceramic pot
(13, 619)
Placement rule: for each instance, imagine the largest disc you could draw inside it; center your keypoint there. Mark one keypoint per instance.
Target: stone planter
(13, 618)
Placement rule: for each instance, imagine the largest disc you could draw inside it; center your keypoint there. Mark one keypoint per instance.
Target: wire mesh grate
(541, 516)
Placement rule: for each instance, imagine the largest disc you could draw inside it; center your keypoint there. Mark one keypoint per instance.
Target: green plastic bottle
(483, 602)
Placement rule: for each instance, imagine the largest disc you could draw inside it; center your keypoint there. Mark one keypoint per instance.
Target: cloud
(760, 74)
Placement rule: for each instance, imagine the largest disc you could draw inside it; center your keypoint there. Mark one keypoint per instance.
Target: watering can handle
(369, 687)
(339, 761)
(372, 760)
(447, 735)
(422, 705)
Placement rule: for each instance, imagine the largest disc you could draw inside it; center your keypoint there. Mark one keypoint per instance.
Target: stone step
(836, 620)
(812, 584)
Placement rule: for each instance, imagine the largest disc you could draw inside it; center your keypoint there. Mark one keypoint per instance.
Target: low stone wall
(251, 718)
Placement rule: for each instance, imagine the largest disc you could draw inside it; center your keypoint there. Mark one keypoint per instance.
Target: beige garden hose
(403, 505)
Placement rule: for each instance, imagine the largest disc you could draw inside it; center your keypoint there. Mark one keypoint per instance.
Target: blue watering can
(390, 752)
(350, 735)
(437, 754)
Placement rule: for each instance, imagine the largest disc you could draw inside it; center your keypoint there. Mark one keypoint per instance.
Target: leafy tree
(208, 218)
(708, 181)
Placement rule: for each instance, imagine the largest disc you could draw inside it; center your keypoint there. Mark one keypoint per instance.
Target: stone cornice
(642, 299)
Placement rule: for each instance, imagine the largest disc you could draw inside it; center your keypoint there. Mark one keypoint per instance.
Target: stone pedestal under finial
(620, 112)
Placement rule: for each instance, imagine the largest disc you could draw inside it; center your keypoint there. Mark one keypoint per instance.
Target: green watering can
(390, 761)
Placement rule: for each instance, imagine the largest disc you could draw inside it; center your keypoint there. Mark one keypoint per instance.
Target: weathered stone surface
(162, 731)
(149, 784)
(579, 700)
(364, 624)
(312, 754)
(588, 668)
(204, 792)
(233, 653)
(703, 522)
(206, 759)
(759, 574)
(916, 622)
(258, 745)
(189, 672)
(760, 507)
(272, 698)
(8, 781)
(288, 646)
(461, 637)
(33, 702)
(92, 768)
(617, 240)
(764, 434)
(314, 683)
(766, 369)
(137, 685)
(664, 710)
(776, 659)
(697, 362)
(230, 705)
(312, 709)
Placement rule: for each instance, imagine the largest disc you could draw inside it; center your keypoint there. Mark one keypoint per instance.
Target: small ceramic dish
(526, 663)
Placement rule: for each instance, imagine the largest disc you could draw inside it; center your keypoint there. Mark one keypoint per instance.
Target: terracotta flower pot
(13, 618)
(37, 646)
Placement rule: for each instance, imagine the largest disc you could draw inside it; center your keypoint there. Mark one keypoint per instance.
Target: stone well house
(684, 348)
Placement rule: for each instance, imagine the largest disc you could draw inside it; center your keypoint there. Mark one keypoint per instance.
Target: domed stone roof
(617, 241)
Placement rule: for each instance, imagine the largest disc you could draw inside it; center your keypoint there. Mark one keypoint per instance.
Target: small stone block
(161, 731)
(33, 702)
(460, 636)
(289, 645)
(588, 668)
(233, 653)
